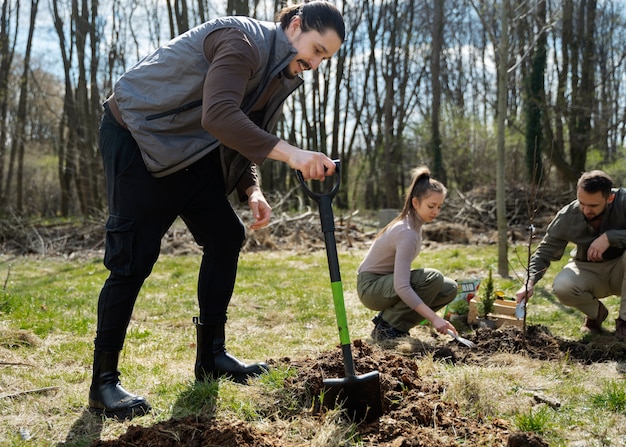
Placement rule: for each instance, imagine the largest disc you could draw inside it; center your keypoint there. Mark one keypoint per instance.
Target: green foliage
(616, 167)
(535, 421)
(200, 397)
(488, 297)
(6, 306)
(275, 378)
(613, 397)
(459, 307)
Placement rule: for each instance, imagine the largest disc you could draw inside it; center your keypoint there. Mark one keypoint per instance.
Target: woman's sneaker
(383, 331)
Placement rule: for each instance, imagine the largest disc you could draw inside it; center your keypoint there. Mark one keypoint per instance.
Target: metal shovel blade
(358, 395)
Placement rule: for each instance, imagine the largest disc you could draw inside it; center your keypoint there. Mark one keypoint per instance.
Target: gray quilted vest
(160, 97)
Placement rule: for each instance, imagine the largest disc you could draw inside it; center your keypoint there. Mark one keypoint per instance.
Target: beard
(288, 74)
(596, 217)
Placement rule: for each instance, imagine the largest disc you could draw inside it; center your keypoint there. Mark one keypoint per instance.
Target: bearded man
(596, 223)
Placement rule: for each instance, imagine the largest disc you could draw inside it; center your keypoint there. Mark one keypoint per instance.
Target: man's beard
(291, 75)
(596, 217)
(288, 74)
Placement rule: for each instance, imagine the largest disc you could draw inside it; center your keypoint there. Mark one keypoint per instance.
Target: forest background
(528, 94)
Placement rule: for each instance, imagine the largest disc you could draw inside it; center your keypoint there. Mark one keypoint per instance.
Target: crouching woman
(386, 282)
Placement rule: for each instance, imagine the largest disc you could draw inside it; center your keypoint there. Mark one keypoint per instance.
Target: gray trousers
(376, 292)
(580, 284)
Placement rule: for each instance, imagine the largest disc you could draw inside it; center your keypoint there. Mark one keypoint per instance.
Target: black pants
(141, 210)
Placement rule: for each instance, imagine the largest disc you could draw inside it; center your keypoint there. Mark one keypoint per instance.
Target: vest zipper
(176, 111)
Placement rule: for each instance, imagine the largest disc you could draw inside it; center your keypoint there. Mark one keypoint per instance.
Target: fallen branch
(16, 364)
(33, 391)
(552, 403)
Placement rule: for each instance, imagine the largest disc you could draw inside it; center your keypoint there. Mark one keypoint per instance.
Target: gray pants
(580, 284)
(376, 292)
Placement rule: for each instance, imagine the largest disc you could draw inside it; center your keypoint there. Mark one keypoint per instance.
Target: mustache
(304, 64)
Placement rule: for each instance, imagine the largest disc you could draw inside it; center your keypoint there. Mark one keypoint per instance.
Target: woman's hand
(442, 325)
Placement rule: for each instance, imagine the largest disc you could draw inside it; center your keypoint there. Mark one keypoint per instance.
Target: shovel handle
(318, 196)
(324, 200)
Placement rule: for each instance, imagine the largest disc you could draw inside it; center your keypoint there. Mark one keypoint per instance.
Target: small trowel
(520, 310)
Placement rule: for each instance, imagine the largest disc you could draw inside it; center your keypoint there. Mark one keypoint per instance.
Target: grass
(613, 397)
(536, 421)
(282, 307)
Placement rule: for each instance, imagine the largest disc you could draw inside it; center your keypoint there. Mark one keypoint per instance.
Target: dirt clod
(521, 439)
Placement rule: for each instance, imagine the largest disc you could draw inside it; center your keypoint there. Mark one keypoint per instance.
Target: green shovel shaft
(342, 321)
(328, 227)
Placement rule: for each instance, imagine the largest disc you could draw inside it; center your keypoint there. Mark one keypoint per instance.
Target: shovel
(359, 395)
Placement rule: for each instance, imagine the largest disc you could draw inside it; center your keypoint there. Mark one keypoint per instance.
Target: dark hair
(596, 181)
(318, 15)
(421, 186)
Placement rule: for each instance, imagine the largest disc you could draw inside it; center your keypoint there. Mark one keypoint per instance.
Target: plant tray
(503, 313)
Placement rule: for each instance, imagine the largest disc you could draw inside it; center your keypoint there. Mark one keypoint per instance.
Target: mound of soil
(413, 412)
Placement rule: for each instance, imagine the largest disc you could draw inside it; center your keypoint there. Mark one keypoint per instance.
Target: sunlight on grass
(282, 307)
(612, 398)
(200, 397)
(241, 405)
(275, 378)
(535, 420)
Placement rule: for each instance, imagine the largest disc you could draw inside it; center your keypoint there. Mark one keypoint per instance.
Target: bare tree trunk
(435, 72)
(178, 17)
(171, 20)
(347, 108)
(20, 128)
(93, 166)
(6, 60)
(577, 68)
(583, 99)
(66, 149)
(535, 104)
(79, 169)
(396, 72)
(503, 65)
(182, 15)
(237, 7)
(80, 126)
(339, 60)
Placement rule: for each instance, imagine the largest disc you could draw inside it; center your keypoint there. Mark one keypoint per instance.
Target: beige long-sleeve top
(393, 252)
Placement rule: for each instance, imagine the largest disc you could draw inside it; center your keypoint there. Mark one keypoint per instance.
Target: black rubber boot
(213, 361)
(106, 395)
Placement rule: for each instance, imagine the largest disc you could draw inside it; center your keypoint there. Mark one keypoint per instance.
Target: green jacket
(569, 225)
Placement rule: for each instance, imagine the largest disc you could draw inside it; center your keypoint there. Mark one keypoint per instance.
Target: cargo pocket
(120, 232)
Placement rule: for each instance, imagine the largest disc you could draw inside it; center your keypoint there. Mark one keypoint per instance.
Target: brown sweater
(232, 57)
